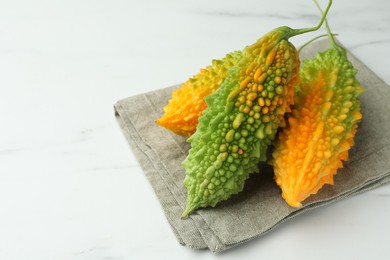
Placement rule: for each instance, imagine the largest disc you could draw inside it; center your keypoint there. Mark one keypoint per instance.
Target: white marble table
(70, 187)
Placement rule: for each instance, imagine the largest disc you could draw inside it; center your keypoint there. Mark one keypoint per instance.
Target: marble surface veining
(70, 187)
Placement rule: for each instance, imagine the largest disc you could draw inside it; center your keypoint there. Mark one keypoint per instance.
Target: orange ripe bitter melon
(321, 127)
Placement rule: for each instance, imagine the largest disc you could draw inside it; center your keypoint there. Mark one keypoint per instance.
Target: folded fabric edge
(195, 243)
(207, 233)
(362, 188)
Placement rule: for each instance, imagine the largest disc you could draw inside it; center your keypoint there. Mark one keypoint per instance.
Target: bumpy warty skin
(321, 127)
(240, 121)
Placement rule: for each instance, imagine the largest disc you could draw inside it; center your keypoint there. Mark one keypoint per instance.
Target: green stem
(305, 30)
(330, 35)
(312, 40)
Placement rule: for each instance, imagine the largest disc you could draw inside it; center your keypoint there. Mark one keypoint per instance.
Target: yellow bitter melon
(187, 103)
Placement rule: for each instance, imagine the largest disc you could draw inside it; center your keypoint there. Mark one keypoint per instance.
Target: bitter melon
(321, 127)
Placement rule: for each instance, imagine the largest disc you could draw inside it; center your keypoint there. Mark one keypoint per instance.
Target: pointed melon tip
(189, 209)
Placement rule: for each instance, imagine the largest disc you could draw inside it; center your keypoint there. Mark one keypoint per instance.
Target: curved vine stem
(330, 35)
(314, 39)
(305, 30)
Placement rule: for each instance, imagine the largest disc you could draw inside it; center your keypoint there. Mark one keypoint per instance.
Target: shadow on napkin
(260, 207)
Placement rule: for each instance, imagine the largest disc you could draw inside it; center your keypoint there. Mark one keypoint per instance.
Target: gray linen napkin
(260, 207)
